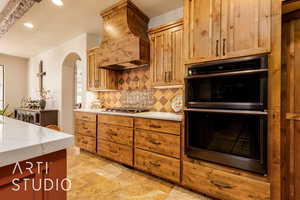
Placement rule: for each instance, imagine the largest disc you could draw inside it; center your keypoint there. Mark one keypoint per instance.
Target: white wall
(166, 17)
(53, 60)
(15, 79)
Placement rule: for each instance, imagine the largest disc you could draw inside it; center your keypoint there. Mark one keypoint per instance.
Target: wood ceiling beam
(12, 12)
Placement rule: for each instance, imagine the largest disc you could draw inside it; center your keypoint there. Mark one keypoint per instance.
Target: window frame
(3, 88)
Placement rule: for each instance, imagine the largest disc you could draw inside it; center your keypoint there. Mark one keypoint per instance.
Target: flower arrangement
(45, 94)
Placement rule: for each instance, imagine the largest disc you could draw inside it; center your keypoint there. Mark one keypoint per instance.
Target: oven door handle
(236, 73)
(240, 112)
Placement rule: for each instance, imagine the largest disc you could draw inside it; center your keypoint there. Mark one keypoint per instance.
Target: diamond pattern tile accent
(138, 80)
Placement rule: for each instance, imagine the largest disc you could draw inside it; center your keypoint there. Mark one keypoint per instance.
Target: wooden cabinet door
(246, 27)
(291, 101)
(157, 61)
(202, 30)
(99, 79)
(176, 67)
(166, 62)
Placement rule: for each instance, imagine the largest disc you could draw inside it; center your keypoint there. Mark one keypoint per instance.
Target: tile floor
(95, 178)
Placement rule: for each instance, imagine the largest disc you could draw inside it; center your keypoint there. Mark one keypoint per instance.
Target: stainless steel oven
(232, 138)
(226, 116)
(232, 84)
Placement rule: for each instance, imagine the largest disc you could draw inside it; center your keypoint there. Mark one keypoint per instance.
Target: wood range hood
(125, 41)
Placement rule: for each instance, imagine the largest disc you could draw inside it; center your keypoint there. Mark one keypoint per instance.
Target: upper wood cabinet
(202, 29)
(166, 54)
(220, 29)
(98, 78)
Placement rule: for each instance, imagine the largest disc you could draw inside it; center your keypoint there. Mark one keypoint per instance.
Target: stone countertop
(21, 141)
(149, 115)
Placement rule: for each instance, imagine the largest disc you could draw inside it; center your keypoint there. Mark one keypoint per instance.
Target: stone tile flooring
(95, 178)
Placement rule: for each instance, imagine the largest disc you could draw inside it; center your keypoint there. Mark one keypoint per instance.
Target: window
(2, 87)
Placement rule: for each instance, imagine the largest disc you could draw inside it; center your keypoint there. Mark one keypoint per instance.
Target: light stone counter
(149, 115)
(21, 141)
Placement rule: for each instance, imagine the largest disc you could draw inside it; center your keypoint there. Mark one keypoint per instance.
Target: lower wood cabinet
(164, 126)
(223, 185)
(85, 142)
(156, 164)
(116, 120)
(118, 152)
(86, 116)
(86, 131)
(165, 144)
(117, 134)
(86, 128)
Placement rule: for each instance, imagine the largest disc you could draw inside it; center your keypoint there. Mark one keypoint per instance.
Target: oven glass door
(227, 92)
(237, 140)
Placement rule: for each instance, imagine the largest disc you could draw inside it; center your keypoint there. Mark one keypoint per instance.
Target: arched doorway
(70, 90)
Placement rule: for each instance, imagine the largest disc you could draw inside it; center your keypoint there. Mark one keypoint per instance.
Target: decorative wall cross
(41, 75)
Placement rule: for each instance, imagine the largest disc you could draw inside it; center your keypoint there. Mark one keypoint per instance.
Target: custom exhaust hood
(125, 42)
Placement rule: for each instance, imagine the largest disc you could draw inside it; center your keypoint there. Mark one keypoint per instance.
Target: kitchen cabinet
(115, 138)
(151, 145)
(291, 102)
(99, 78)
(223, 185)
(221, 29)
(157, 147)
(86, 131)
(166, 54)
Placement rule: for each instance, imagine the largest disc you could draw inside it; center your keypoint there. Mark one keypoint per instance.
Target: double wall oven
(226, 115)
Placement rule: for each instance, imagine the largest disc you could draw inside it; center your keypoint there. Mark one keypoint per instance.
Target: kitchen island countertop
(21, 141)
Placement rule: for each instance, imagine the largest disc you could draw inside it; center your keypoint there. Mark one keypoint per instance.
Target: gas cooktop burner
(127, 110)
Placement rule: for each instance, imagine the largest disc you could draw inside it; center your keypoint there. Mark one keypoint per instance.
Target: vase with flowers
(45, 94)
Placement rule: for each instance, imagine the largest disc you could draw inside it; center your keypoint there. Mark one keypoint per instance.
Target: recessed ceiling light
(58, 2)
(29, 25)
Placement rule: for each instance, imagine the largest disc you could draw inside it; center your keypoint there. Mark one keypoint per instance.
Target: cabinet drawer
(158, 125)
(223, 185)
(117, 152)
(86, 116)
(116, 120)
(158, 142)
(86, 143)
(162, 166)
(117, 134)
(86, 127)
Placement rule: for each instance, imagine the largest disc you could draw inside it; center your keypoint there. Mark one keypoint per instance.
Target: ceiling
(3, 4)
(55, 25)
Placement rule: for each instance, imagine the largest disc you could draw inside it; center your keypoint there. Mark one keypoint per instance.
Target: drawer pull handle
(154, 126)
(221, 185)
(112, 133)
(84, 142)
(113, 151)
(155, 164)
(85, 117)
(154, 142)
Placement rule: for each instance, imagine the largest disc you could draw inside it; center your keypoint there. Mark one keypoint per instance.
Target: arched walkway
(68, 92)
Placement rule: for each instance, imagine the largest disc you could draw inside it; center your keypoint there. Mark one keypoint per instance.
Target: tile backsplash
(135, 91)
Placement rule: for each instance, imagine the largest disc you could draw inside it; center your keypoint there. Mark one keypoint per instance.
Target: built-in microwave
(231, 84)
